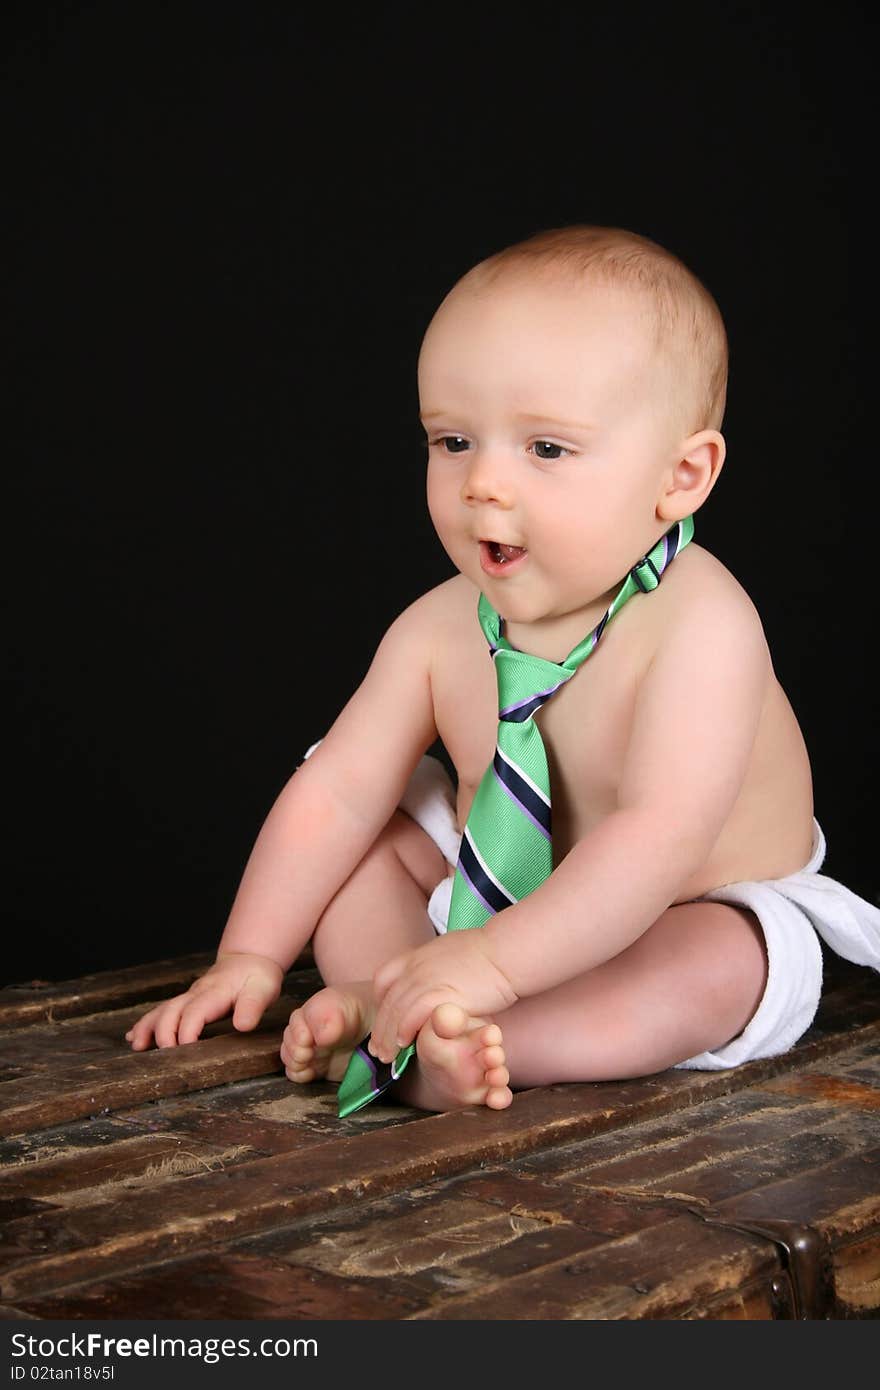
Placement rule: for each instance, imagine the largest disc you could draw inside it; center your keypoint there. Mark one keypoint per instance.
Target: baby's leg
(690, 984)
(382, 908)
(380, 911)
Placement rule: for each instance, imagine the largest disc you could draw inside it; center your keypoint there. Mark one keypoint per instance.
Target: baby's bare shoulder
(699, 590)
(453, 597)
(705, 636)
(435, 618)
(440, 610)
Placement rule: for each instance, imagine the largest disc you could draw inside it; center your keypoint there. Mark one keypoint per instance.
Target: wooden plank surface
(198, 1182)
(49, 1001)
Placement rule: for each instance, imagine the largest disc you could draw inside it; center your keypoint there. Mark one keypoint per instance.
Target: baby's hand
(250, 983)
(455, 968)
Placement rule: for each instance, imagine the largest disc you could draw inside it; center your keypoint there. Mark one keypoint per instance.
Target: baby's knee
(416, 851)
(721, 957)
(400, 845)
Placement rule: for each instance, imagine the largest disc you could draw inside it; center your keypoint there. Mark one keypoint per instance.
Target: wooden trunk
(197, 1182)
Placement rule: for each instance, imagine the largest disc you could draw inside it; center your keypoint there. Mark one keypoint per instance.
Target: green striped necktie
(506, 850)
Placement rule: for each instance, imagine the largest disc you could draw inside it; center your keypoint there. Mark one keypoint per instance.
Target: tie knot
(525, 682)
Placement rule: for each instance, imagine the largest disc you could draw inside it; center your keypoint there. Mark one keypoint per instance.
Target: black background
(230, 228)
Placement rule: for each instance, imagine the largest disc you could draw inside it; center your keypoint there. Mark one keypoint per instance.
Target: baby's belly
(773, 843)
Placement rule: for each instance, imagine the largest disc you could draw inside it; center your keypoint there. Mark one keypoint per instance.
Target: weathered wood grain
(225, 1285)
(89, 1089)
(49, 1001)
(660, 1273)
(648, 1165)
(198, 1182)
(74, 1069)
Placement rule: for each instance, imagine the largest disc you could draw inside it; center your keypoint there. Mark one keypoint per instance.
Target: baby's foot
(321, 1036)
(460, 1062)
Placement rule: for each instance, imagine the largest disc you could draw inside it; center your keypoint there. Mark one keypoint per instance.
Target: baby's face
(549, 428)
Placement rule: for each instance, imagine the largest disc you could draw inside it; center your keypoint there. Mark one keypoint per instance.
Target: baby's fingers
(254, 997)
(389, 987)
(391, 1029)
(384, 1025)
(415, 1014)
(165, 1027)
(199, 1009)
(140, 1034)
(160, 1023)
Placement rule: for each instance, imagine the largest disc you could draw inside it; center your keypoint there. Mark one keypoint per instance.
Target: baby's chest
(585, 728)
(586, 731)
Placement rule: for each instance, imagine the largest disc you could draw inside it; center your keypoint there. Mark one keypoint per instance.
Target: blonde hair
(688, 322)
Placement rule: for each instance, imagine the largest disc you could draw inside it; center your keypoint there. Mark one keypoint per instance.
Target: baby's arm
(695, 722)
(694, 726)
(320, 827)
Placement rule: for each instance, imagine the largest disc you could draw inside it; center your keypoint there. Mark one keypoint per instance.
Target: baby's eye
(541, 444)
(455, 439)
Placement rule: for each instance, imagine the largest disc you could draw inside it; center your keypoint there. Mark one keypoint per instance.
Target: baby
(572, 390)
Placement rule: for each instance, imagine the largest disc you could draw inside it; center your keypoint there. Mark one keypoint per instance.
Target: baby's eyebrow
(550, 420)
(520, 415)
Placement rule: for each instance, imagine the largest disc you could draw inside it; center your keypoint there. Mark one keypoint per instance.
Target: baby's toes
(449, 1021)
(498, 1097)
(492, 1057)
(299, 1063)
(300, 1074)
(490, 1035)
(298, 1033)
(493, 1061)
(325, 1015)
(298, 1049)
(497, 1076)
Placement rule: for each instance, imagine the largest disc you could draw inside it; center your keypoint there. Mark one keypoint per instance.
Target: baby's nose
(488, 479)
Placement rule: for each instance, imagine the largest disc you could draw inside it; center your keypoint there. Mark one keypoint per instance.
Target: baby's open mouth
(501, 554)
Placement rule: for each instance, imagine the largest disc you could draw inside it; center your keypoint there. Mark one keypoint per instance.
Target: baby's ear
(686, 485)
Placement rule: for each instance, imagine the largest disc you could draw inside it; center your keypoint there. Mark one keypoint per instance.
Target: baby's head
(579, 377)
(682, 323)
